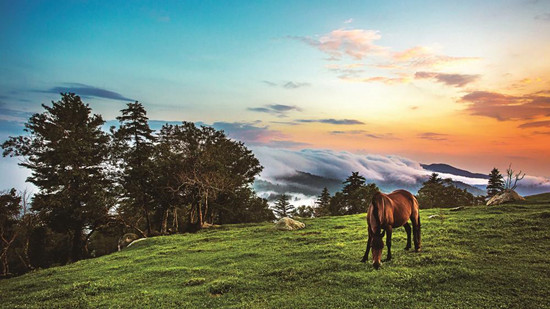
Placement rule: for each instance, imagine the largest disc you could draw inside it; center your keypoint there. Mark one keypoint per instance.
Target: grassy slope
(477, 257)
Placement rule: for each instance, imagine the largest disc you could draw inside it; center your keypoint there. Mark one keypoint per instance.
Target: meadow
(478, 257)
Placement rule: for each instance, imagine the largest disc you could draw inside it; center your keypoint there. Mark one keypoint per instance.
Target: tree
(512, 178)
(323, 204)
(357, 194)
(302, 211)
(66, 151)
(437, 192)
(203, 163)
(134, 146)
(495, 184)
(10, 206)
(282, 207)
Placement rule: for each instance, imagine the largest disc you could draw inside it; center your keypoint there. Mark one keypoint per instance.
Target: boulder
(126, 239)
(287, 224)
(505, 197)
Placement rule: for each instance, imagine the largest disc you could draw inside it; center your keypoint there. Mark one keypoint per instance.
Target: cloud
(543, 17)
(379, 79)
(248, 133)
(352, 132)
(535, 124)
(457, 80)
(348, 21)
(286, 144)
(506, 107)
(433, 136)
(332, 121)
(287, 84)
(355, 43)
(423, 56)
(279, 110)
(88, 91)
(364, 134)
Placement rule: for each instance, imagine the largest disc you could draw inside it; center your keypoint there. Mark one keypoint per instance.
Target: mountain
(447, 169)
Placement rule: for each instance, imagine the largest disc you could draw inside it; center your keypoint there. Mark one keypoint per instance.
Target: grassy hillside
(477, 257)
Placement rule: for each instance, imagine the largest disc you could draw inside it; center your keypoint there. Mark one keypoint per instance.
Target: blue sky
(436, 81)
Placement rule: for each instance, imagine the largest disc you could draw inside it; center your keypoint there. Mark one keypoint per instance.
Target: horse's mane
(377, 201)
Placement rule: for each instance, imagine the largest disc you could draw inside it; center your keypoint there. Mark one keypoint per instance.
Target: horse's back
(404, 206)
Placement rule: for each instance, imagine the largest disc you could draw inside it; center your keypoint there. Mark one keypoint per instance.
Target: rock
(457, 208)
(505, 197)
(287, 224)
(433, 217)
(126, 240)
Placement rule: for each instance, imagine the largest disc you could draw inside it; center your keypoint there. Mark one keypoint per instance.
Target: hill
(478, 257)
(448, 169)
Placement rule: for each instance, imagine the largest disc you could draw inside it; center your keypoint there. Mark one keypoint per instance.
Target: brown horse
(386, 212)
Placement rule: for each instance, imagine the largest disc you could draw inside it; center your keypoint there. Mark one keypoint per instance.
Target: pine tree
(357, 194)
(282, 207)
(66, 151)
(495, 184)
(323, 204)
(134, 144)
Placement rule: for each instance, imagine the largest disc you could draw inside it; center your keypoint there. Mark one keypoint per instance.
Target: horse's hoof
(363, 261)
(417, 250)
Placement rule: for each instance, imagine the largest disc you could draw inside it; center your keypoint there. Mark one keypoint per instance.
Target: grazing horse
(386, 212)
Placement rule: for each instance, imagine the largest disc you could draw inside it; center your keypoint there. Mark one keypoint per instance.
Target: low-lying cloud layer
(297, 173)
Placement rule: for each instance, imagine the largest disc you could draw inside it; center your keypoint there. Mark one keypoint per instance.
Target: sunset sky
(461, 82)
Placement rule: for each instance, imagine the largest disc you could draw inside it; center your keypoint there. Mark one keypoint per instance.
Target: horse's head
(377, 245)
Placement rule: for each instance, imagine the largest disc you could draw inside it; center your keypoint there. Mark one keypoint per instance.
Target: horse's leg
(416, 233)
(388, 242)
(366, 255)
(407, 227)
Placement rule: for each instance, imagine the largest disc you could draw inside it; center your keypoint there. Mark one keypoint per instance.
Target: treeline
(95, 186)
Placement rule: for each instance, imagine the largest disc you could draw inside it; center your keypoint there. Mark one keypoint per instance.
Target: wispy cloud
(379, 79)
(457, 80)
(426, 57)
(279, 110)
(432, 136)
(88, 91)
(348, 21)
(287, 84)
(351, 132)
(543, 17)
(535, 124)
(507, 107)
(332, 121)
(354, 43)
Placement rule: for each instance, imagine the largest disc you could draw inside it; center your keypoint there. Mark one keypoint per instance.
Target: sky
(465, 83)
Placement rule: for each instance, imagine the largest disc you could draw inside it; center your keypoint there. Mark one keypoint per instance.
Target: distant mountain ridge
(447, 169)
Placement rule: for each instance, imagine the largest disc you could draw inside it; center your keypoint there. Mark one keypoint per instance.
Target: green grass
(478, 257)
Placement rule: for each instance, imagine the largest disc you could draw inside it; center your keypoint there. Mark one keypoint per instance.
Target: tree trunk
(77, 246)
(4, 254)
(175, 221)
(205, 217)
(164, 227)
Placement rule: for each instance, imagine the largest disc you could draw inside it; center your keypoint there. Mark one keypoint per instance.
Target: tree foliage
(66, 151)
(495, 184)
(282, 207)
(437, 192)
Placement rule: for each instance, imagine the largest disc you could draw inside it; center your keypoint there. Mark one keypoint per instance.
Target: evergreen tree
(357, 194)
(66, 151)
(282, 207)
(495, 184)
(323, 204)
(134, 150)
